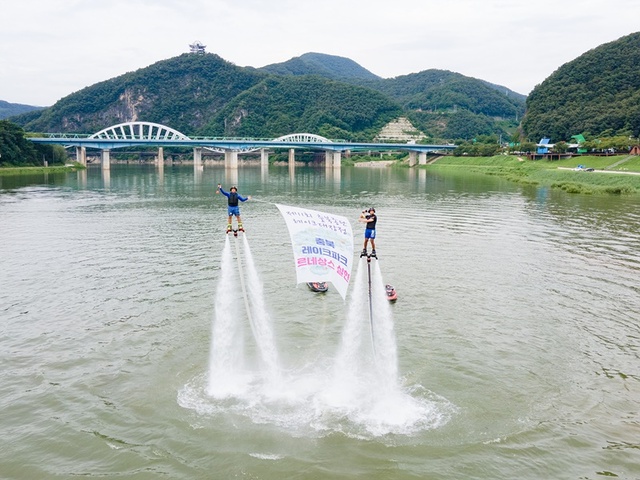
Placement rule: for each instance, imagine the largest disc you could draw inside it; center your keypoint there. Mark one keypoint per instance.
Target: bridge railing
(63, 135)
(203, 138)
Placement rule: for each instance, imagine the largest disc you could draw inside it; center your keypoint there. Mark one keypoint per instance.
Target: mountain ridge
(207, 95)
(8, 109)
(596, 93)
(331, 66)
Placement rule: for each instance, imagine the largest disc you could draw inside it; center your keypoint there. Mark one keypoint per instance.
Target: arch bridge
(148, 134)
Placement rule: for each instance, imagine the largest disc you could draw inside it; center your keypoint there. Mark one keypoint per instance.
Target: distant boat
(392, 296)
(318, 286)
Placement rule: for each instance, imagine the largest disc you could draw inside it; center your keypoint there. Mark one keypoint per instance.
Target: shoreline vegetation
(69, 167)
(617, 174)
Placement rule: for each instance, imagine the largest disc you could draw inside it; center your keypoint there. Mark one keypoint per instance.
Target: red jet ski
(392, 296)
(318, 286)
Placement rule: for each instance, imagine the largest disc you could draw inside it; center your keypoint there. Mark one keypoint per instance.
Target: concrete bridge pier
(106, 159)
(81, 155)
(337, 159)
(292, 160)
(230, 159)
(231, 176)
(197, 158)
(422, 158)
(412, 158)
(328, 158)
(264, 159)
(106, 178)
(333, 176)
(82, 178)
(422, 176)
(160, 159)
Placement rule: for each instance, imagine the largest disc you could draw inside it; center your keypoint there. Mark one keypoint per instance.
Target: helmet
(372, 210)
(234, 188)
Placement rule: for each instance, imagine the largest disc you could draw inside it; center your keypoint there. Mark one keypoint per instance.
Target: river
(514, 343)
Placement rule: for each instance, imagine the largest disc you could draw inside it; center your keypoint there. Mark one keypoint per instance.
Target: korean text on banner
(322, 246)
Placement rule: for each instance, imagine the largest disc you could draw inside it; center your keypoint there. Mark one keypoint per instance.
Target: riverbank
(611, 175)
(8, 171)
(376, 163)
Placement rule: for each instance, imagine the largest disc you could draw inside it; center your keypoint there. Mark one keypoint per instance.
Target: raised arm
(226, 194)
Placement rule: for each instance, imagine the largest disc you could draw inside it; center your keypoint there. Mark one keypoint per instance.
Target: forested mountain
(440, 90)
(284, 104)
(330, 66)
(315, 93)
(184, 93)
(10, 109)
(596, 94)
(442, 104)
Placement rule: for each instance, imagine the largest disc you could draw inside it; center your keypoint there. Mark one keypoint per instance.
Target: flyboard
(369, 257)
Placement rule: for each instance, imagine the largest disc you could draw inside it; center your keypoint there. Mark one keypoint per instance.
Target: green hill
(280, 105)
(329, 66)
(183, 92)
(597, 93)
(442, 104)
(315, 93)
(445, 104)
(11, 109)
(440, 90)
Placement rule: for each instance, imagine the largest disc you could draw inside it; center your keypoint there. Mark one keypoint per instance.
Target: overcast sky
(50, 49)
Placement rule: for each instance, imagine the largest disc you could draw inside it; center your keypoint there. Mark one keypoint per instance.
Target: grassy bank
(7, 171)
(612, 175)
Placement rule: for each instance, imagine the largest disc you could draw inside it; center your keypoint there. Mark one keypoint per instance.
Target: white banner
(322, 246)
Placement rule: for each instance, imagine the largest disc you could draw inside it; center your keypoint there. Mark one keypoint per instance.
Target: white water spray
(355, 353)
(365, 371)
(230, 372)
(262, 324)
(384, 336)
(359, 393)
(226, 359)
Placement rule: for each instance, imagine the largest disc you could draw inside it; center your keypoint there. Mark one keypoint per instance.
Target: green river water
(512, 351)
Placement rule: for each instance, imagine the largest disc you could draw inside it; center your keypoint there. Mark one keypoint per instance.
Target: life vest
(233, 199)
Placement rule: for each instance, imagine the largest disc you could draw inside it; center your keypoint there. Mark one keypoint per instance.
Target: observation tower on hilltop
(197, 47)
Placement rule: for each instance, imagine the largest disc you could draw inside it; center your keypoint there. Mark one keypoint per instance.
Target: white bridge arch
(140, 131)
(303, 137)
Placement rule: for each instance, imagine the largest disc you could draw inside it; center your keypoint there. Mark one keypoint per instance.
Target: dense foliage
(483, 146)
(16, 150)
(322, 94)
(441, 90)
(598, 93)
(458, 125)
(281, 105)
(183, 93)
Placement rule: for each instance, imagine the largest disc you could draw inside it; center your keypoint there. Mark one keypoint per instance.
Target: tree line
(17, 150)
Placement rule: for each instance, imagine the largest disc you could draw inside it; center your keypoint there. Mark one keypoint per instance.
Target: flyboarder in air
(369, 217)
(233, 209)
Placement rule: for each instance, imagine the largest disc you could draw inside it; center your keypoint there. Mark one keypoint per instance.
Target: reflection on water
(516, 329)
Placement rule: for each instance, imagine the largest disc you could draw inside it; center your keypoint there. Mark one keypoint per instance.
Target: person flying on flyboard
(369, 217)
(233, 209)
